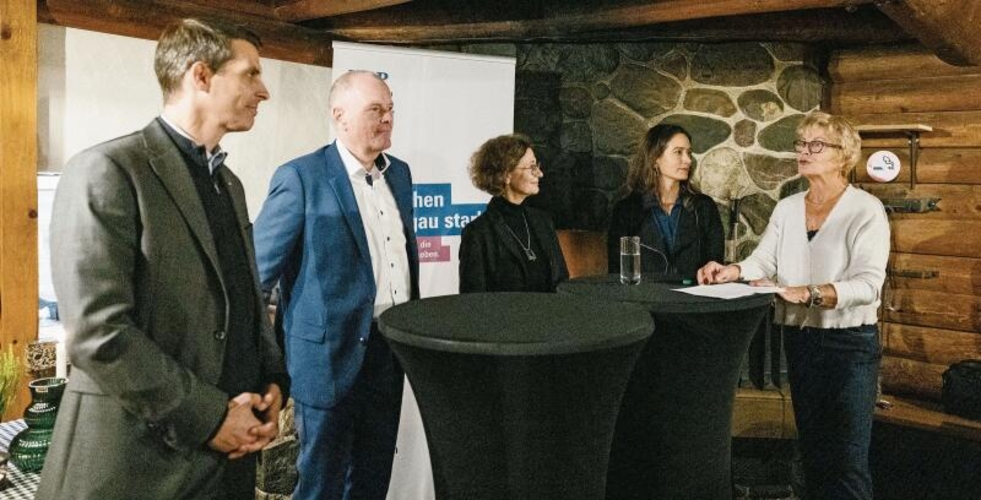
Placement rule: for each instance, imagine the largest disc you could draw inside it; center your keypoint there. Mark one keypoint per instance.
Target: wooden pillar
(18, 180)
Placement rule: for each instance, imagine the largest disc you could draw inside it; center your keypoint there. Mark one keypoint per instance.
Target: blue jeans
(833, 379)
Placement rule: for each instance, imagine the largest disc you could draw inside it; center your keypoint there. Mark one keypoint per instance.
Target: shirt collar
(213, 159)
(354, 167)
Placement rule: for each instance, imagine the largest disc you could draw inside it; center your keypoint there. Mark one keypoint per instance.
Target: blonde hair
(840, 131)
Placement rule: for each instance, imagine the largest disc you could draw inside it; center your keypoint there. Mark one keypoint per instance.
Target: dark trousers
(346, 451)
(238, 479)
(833, 379)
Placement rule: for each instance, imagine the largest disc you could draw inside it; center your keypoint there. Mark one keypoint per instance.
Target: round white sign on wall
(883, 166)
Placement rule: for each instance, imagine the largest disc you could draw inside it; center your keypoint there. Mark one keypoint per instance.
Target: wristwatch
(816, 299)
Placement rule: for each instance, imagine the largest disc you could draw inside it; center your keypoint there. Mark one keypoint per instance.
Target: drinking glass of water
(630, 260)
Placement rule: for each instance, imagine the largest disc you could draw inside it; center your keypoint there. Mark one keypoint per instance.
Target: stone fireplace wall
(586, 106)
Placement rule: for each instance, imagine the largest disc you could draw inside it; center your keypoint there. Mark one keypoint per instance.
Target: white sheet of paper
(728, 290)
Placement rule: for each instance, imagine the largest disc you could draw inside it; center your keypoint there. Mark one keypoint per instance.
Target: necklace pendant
(530, 254)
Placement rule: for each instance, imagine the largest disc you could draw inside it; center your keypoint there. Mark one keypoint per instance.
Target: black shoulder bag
(961, 391)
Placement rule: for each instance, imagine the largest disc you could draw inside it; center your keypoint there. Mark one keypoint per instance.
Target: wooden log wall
(18, 191)
(932, 300)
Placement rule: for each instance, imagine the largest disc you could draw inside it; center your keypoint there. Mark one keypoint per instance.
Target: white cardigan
(850, 251)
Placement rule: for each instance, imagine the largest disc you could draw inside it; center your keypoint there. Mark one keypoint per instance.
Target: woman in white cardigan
(827, 248)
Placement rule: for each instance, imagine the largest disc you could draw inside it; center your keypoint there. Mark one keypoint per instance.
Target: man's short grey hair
(344, 83)
(188, 41)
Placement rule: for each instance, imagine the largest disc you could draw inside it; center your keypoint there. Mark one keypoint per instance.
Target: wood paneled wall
(928, 322)
(18, 191)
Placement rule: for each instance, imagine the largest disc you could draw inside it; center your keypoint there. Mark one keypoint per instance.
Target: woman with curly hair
(510, 247)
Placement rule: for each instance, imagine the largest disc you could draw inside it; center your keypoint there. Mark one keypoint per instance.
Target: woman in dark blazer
(680, 227)
(510, 247)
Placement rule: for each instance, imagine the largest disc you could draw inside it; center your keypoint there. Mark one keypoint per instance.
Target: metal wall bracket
(911, 131)
(911, 205)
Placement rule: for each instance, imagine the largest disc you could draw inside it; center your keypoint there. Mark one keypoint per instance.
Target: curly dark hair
(490, 165)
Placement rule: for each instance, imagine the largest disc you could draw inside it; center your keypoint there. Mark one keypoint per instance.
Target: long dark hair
(643, 174)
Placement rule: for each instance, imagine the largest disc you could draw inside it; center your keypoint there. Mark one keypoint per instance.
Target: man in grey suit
(177, 378)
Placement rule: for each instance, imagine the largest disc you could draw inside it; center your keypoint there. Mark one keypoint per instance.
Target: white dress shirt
(383, 229)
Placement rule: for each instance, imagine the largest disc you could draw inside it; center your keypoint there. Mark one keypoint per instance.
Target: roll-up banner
(446, 105)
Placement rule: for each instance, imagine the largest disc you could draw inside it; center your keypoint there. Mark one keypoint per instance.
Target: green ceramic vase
(28, 448)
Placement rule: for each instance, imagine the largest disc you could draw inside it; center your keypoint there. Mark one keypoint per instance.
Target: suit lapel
(341, 185)
(170, 167)
(399, 186)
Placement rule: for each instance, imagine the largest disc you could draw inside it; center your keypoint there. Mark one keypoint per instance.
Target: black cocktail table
(518, 392)
(672, 438)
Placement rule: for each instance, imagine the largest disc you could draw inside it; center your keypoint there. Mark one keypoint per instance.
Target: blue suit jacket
(310, 238)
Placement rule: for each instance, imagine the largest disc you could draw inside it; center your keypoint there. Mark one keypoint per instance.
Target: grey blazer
(141, 296)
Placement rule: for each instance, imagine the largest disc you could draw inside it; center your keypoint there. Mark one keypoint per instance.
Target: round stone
(800, 87)
(576, 136)
(675, 65)
(709, 101)
(732, 64)
(780, 136)
(769, 172)
(720, 174)
(756, 210)
(616, 129)
(645, 90)
(587, 63)
(610, 172)
(576, 102)
(706, 132)
(760, 105)
(744, 133)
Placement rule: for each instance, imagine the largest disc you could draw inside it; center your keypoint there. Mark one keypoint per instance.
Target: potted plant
(10, 373)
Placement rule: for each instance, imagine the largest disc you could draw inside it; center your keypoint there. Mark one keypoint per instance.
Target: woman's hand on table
(713, 273)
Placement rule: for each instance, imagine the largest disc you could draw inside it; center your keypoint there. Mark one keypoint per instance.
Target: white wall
(93, 87)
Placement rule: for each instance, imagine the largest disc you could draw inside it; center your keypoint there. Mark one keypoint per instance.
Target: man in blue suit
(336, 233)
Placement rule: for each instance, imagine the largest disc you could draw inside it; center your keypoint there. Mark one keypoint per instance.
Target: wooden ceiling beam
(948, 27)
(561, 21)
(837, 27)
(253, 7)
(304, 10)
(147, 19)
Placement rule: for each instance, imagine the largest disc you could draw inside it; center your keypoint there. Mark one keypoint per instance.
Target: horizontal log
(957, 202)
(763, 414)
(937, 237)
(927, 416)
(304, 10)
(563, 20)
(951, 129)
(262, 9)
(949, 27)
(880, 63)
(932, 309)
(147, 19)
(929, 345)
(914, 94)
(584, 252)
(933, 166)
(911, 378)
(955, 275)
